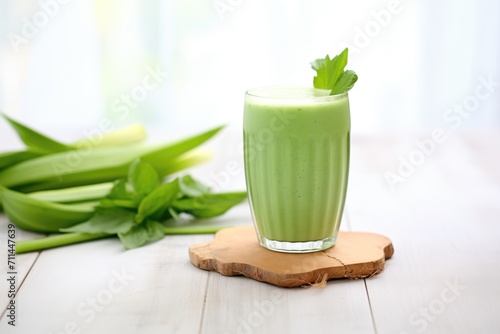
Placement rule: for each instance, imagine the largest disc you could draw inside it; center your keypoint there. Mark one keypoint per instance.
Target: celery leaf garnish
(330, 74)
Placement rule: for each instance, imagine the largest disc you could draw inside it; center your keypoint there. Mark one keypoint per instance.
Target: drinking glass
(296, 150)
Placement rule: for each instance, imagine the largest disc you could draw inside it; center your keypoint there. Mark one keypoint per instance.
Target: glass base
(296, 247)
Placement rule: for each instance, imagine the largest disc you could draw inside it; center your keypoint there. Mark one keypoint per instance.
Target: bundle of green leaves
(136, 207)
(95, 189)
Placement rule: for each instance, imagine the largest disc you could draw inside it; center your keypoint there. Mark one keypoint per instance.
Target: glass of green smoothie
(296, 144)
(296, 150)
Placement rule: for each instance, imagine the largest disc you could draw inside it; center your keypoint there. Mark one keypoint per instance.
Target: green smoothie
(296, 144)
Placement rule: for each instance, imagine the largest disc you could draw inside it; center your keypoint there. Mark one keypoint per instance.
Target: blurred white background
(72, 63)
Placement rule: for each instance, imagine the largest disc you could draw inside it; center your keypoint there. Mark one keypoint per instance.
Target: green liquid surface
(296, 143)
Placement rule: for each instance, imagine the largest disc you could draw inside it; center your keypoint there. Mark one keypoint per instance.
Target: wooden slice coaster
(235, 251)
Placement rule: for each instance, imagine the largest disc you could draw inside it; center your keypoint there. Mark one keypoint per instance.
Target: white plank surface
(23, 262)
(99, 288)
(240, 305)
(444, 223)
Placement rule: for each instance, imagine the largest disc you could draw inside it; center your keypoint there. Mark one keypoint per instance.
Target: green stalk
(90, 192)
(74, 238)
(56, 241)
(102, 164)
(130, 134)
(38, 144)
(192, 229)
(11, 158)
(31, 214)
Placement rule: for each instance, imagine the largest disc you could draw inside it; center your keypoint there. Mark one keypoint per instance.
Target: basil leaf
(143, 177)
(209, 205)
(118, 203)
(120, 191)
(106, 220)
(159, 200)
(139, 235)
(191, 187)
(120, 196)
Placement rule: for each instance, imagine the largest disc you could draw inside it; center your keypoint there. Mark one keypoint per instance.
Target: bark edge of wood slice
(236, 251)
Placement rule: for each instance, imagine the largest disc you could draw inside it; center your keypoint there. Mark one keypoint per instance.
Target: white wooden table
(444, 221)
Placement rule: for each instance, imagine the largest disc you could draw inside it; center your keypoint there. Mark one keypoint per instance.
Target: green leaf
(329, 70)
(321, 80)
(156, 230)
(139, 235)
(159, 200)
(35, 215)
(121, 196)
(191, 187)
(143, 177)
(345, 82)
(11, 158)
(120, 191)
(106, 220)
(330, 74)
(102, 164)
(35, 140)
(118, 203)
(209, 205)
(160, 156)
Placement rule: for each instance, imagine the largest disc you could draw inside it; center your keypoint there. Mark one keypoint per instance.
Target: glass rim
(254, 93)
